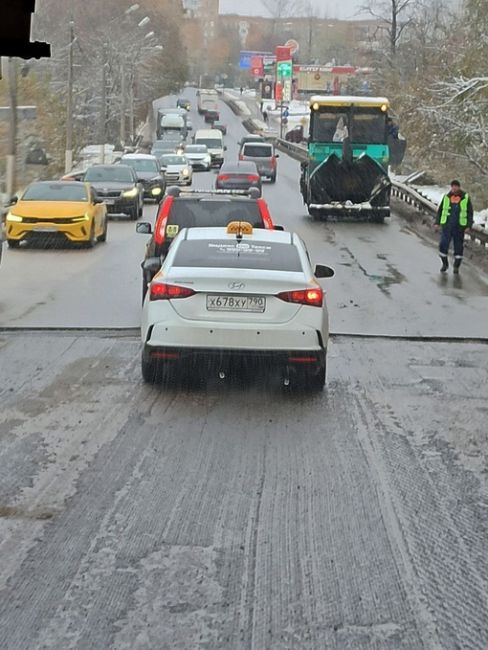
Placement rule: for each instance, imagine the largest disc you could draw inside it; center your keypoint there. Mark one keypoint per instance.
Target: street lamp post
(122, 102)
(68, 155)
(123, 127)
(103, 111)
(12, 141)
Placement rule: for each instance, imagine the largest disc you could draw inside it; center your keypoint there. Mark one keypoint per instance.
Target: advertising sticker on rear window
(172, 230)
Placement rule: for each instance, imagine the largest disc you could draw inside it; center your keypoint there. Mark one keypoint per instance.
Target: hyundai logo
(236, 285)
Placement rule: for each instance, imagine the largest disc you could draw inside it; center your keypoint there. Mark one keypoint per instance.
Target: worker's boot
(445, 263)
(457, 264)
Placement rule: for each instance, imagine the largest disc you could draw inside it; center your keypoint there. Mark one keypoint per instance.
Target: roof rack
(176, 191)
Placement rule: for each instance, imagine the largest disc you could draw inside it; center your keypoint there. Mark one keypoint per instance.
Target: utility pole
(281, 118)
(122, 102)
(68, 155)
(103, 110)
(12, 140)
(131, 107)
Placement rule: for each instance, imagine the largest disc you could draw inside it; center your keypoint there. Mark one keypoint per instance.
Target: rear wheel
(13, 243)
(313, 379)
(317, 215)
(134, 213)
(273, 178)
(150, 369)
(145, 281)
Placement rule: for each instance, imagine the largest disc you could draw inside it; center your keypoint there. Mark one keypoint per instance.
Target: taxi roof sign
(239, 228)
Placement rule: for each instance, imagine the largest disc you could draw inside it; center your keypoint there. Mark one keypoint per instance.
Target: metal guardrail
(404, 192)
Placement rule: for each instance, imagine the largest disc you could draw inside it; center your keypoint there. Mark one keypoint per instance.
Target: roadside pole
(103, 108)
(12, 139)
(68, 156)
(122, 103)
(131, 109)
(281, 118)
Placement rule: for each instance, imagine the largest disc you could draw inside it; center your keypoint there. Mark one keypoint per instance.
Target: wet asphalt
(236, 514)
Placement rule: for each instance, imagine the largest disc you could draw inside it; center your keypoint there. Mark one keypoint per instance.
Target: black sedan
(148, 172)
(181, 102)
(119, 188)
(238, 176)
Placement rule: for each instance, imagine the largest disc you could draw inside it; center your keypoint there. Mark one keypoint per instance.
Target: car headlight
(130, 194)
(156, 191)
(207, 159)
(185, 171)
(13, 217)
(85, 217)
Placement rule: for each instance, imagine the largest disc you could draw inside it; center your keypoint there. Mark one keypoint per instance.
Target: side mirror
(225, 148)
(277, 227)
(13, 200)
(144, 228)
(277, 155)
(322, 271)
(97, 200)
(152, 265)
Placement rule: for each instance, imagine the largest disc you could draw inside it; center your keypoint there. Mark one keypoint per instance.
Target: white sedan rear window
(269, 256)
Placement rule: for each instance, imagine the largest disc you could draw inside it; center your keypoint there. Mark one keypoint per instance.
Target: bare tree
(280, 8)
(395, 15)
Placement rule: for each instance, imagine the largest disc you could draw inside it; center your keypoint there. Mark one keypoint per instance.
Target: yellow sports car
(57, 209)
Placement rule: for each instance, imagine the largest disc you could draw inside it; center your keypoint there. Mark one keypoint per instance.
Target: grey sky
(331, 8)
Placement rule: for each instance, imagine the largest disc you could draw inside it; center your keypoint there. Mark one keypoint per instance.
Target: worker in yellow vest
(454, 219)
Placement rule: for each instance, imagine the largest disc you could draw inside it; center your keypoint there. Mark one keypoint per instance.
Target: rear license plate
(109, 201)
(255, 304)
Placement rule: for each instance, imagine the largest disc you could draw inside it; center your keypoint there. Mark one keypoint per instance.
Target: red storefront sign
(257, 67)
(282, 53)
(278, 92)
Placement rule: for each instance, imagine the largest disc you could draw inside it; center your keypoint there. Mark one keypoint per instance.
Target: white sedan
(225, 295)
(198, 156)
(177, 169)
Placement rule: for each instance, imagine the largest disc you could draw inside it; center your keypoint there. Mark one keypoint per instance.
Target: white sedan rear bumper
(214, 335)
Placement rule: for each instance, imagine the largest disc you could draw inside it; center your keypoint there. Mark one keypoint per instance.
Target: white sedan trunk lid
(214, 287)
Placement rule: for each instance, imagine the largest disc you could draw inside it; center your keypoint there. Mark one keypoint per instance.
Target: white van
(214, 140)
(173, 123)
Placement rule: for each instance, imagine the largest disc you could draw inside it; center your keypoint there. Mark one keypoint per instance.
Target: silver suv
(263, 154)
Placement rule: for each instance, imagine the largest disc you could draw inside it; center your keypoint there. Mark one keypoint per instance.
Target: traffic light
(284, 69)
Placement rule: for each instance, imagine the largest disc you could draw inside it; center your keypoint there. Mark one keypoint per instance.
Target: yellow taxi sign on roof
(239, 228)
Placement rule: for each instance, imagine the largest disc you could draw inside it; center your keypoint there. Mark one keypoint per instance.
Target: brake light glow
(241, 156)
(265, 215)
(163, 291)
(273, 162)
(158, 354)
(161, 220)
(252, 178)
(223, 177)
(310, 297)
(302, 359)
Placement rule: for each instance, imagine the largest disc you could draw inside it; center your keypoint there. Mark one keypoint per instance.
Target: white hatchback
(227, 295)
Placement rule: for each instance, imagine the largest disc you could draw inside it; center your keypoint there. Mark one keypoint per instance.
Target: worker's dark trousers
(456, 233)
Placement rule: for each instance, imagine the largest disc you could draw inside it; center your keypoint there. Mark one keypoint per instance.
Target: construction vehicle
(349, 148)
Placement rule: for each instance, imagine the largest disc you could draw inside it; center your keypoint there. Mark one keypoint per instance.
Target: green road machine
(351, 144)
